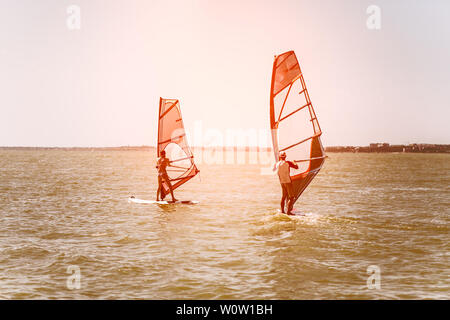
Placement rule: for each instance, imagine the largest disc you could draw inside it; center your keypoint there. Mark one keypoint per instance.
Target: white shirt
(282, 168)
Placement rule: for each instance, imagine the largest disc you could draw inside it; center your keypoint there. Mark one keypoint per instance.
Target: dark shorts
(163, 177)
(288, 189)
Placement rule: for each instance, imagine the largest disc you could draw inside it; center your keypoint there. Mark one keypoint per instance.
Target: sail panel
(287, 70)
(172, 139)
(295, 128)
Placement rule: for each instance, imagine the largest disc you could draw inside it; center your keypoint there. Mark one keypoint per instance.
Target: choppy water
(69, 208)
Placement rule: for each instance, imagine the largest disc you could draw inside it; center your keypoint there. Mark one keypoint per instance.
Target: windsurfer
(161, 165)
(283, 169)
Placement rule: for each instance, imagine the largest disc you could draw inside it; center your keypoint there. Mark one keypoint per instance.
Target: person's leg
(158, 192)
(290, 205)
(290, 192)
(283, 197)
(170, 187)
(171, 192)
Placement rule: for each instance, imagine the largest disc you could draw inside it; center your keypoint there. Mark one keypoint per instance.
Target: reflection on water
(65, 208)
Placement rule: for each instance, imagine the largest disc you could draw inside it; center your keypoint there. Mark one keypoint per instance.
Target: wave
(127, 240)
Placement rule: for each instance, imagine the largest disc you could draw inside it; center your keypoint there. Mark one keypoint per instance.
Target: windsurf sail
(293, 122)
(172, 139)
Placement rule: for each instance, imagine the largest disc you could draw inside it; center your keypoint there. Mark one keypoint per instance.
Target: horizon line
(214, 146)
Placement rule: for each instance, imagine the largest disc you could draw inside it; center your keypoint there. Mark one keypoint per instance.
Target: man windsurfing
(161, 165)
(283, 169)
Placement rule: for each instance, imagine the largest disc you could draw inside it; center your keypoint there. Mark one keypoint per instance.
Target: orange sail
(172, 139)
(293, 122)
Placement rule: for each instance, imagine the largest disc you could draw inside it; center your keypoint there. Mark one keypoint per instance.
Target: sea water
(376, 226)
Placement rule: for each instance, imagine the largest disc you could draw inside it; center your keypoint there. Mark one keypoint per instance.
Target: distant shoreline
(388, 148)
(372, 148)
(124, 148)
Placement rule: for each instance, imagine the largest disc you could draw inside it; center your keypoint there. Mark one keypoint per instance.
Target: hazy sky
(100, 85)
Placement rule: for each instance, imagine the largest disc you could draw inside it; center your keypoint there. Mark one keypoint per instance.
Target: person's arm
(293, 164)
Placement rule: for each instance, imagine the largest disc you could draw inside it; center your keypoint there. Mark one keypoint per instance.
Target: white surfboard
(296, 212)
(136, 200)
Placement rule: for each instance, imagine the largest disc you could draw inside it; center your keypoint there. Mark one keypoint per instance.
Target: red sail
(295, 129)
(172, 139)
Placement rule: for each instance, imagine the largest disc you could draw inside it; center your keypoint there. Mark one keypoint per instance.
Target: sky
(99, 84)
